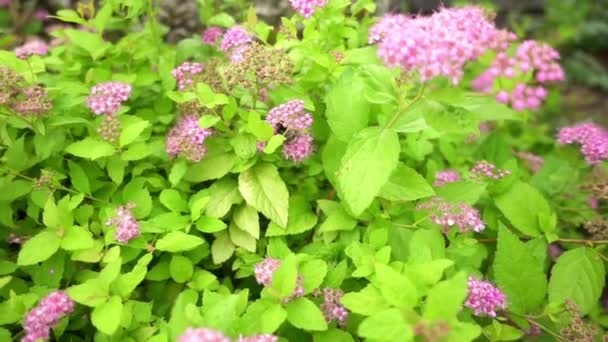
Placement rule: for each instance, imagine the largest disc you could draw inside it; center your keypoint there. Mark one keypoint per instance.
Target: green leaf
(90, 42)
(222, 248)
(126, 283)
(79, 178)
(578, 275)
(207, 121)
(241, 238)
(301, 218)
(181, 268)
(136, 192)
(76, 238)
(136, 151)
(131, 127)
(39, 248)
(522, 205)
(106, 317)
(69, 16)
(173, 200)
(333, 335)
(444, 300)
(210, 225)
(208, 98)
(313, 272)
(502, 332)
(396, 288)
(371, 156)
(263, 316)
(337, 218)
(388, 325)
(116, 169)
(284, 278)
(178, 242)
(90, 293)
(366, 302)
(467, 192)
(224, 193)
(211, 167)
(178, 170)
(274, 143)
(519, 274)
(347, 114)
(14, 189)
(405, 184)
(246, 218)
(263, 189)
(304, 314)
(90, 148)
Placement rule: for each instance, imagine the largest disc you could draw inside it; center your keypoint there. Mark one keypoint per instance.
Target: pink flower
(448, 215)
(440, 44)
(533, 161)
(106, 98)
(485, 169)
(264, 271)
(184, 74)
(259, 338)
(298, 148)
(187, 139)
(307, 7)
(41, 14)
(202, 335)
(332, 309)
(594, 202)
(290, 115)
(42, 318)
(234, 37)
(446, 176)
(211, 35)
(592, 138)
(5, 3)
(33, 47)
(484, 298)
(127, 227)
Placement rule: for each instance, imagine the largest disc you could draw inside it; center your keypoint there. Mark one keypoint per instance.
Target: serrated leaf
(263, 189)
(388, 325)
(76, 238)
(222, 248)
(444, 300)
(284, 278)
(405, 184)
(90, 148)
(371, 156)
(366, 302)
(211, 167)
(173, 200)
(521, 204)
(106, 317)
(304, 314)
(39, 248)
(131, 128)
(347, 114)
(14, 189)
(178, 242)
(246, 218)
(79, 178)
(396, 288)
(578, 275)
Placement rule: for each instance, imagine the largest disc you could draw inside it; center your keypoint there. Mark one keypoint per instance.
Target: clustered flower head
(45, 315)
(210, 335)
(185, 73)
(292, 120)
(33, 47)
(484, 298)
(597, 228)
(307, 7)
(448, 215)
(187, 139)
(211, 35)
(235, 42)
(332, 309)
(533, 57)
(432, 331)
(485, 169)
(446, 176)
(127, 226)
(106, 97)
(109, 129)
(592, 138)
(261, 67)
(19, 97)
(533, 162)
(440, 44)
(264, 271)
(577, 329)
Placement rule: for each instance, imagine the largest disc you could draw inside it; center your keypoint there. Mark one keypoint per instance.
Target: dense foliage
(341, 177)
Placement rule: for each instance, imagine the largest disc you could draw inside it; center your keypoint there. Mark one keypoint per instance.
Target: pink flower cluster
(209, 335)
(448, 215)
(127, 227)
(484, 298)
(485, 169)
(531, 57)
(446, 176)
(33, 47)
(592, 138)
(211, 35)
(292, 120)
(187, 139)
(5, 3)
(42, 318)
(440, 44)
(533, 161)
(184, 74)
(264, 271)
(307, 7)
(106, 98)
(236, 40)
(332, 309)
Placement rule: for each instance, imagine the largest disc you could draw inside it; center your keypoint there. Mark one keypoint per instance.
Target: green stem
(534, 322)
(404, 109)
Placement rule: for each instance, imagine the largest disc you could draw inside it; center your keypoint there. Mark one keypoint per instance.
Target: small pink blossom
(332, 309)
(307, 7)
(41, 14)
(533, 161)
(446, 176)
(202, 335)
(33, 47)
(187, 139)
(211, 35)
(448, 215)
(264, 272)
(484, 298)
(106, 98)
(259, 338)
(127, 227)
(290, 115)
(594, 202)
(234, 37)
(592, 138)
(185, 73)
(485, 169)
(45, 315)
(298, 148)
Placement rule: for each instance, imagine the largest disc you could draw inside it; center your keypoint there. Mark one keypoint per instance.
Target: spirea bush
(341, 177)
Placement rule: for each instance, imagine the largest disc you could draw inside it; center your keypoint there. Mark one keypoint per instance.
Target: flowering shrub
(339, 178)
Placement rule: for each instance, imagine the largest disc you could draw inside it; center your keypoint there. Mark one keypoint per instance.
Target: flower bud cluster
(432, 331)
(592, 138)
(45, 315)
(332, 309)
(484, 298)
(127, 226)
(32, 47)
(187, 139)
(485, 169)
(260, 67)
(211, 35)
(448, 215)
(185, 73)
(307, 7)
(235, 42)
(20, 98)
(446, 176)
(597, 228)
(210, 335)
(533, 162)
(106, 97)
(264, 272)
(577, 329)
(292, 120)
